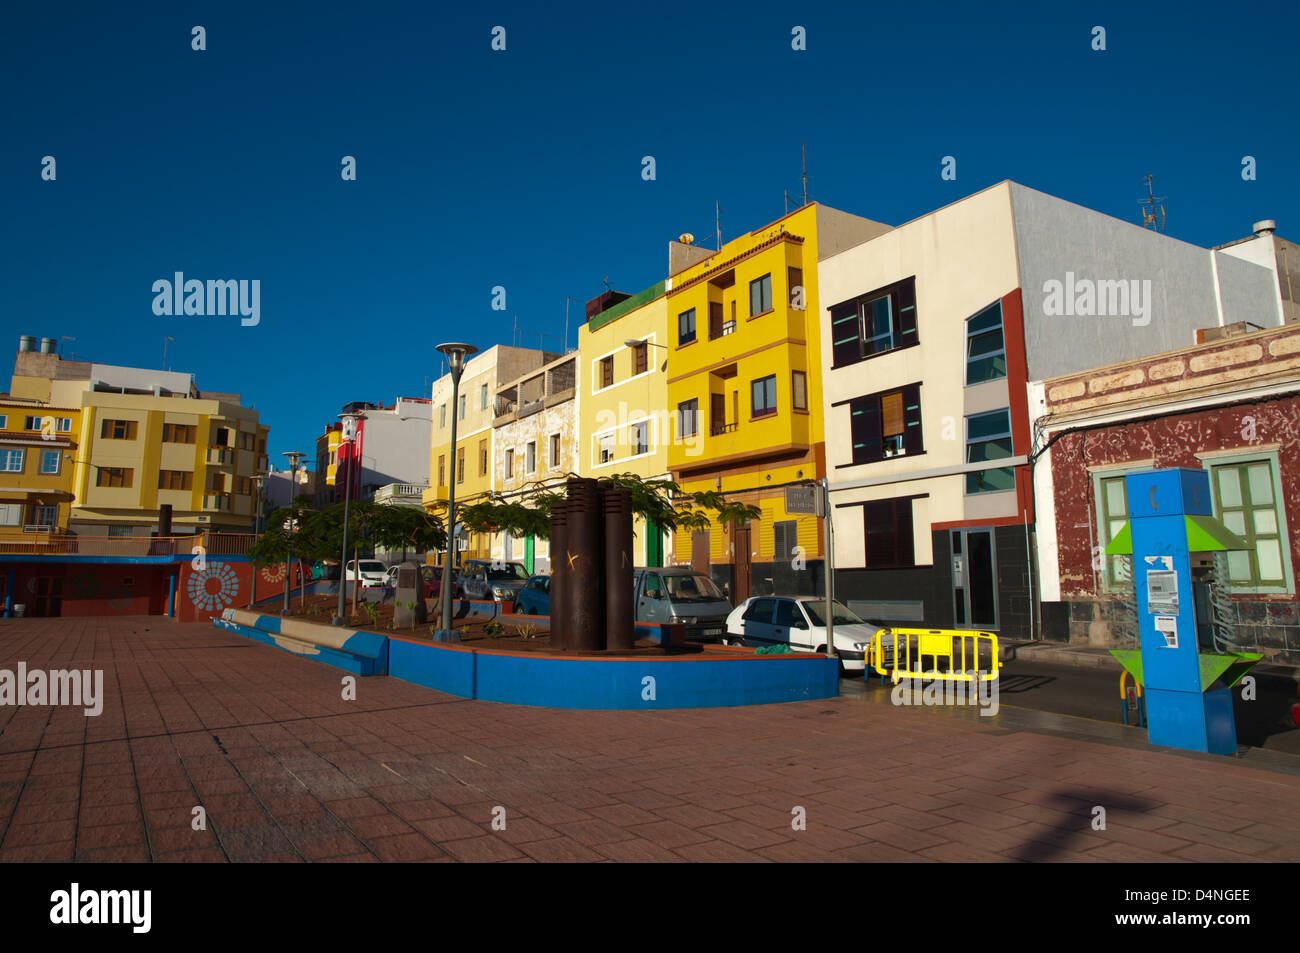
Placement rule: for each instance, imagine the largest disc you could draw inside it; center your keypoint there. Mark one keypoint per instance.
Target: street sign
(801, 500)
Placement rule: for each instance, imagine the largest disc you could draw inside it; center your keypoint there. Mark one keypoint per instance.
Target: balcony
(220, 456)
(217, 502)
(408, 494)
(717, 430)
(179, 547)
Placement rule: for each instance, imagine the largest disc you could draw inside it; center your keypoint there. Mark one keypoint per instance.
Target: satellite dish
(686, 238)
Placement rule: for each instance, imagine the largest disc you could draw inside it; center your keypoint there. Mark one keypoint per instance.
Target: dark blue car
(535, 597)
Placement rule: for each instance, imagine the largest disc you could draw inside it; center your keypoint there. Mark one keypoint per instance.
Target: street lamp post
(294, 456)
(455, 354)
(349, 432)
(260, 480)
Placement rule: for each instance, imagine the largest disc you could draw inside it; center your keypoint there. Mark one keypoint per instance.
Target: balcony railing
(221, 456)
(719, 429)
(214, 544)
(217, 501)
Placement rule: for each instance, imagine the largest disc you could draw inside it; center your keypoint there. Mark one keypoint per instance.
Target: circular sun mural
(214, 588)
(273, 572)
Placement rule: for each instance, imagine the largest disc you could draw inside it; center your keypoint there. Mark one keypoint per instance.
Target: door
(718, 414)
(49, 597)
(653, 605)
(741, 538)
(790, 627)
(759, 630)
(974, 579)
(700, 551)
(654, 544)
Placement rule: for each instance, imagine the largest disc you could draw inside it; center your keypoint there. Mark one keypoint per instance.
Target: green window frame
(986, 353)
(1246, 500)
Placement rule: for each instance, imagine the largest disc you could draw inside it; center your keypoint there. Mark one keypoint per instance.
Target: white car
(373, 573)
(798, 621)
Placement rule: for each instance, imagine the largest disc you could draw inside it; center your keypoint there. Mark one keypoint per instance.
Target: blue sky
(523, 169)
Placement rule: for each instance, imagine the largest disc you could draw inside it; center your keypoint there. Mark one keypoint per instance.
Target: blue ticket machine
(1171, 528)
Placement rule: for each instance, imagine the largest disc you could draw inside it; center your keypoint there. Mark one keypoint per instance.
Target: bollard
(620, 627)
(558, 545)
(583, 595)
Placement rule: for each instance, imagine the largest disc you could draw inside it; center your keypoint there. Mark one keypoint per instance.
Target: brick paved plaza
(287, 770)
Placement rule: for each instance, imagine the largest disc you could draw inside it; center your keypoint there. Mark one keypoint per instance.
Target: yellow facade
(139, 452)
(624, 422)
(38, 447)
(752, 368)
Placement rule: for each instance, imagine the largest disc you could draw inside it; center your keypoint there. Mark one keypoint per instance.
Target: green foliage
(318, 534)
(493, 628)
(659, 501)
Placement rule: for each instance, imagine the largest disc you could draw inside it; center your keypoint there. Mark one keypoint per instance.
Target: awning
(1205, 534)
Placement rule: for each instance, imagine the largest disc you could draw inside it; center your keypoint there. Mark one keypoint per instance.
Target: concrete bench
(361, 653)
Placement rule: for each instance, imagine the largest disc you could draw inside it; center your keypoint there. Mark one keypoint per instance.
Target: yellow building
(744, 382)
(38, 445)
(625, 425)
(324, 490)
(475, 410)
(146, 439)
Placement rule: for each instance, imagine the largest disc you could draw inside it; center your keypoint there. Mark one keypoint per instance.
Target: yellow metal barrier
(902, 653)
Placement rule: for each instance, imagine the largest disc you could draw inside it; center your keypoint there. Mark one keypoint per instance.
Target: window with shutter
(875, 323)
(887, 424)
(887, 533)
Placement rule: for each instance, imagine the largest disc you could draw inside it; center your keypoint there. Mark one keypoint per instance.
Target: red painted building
(1230, 406)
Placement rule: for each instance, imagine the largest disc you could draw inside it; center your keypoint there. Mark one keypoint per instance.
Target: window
(32, 423)
(686, 327)
(555, 450)
(124, 430)
(799, 390)
(442, 415)
(887, 532)
(223, 437)
(64, 424)
(532, 456)
(607, 371)
(247, 441)
(4, 421)
(1245, 495)
(114, 476)
(178, 433)
(176, 480)
(763, 396)
(639, 434)
(1112, 509)
(442, 470)
(875, 323)
(460, 462)
(45, 517)
(986, 356)
(482, 457)
(785, 537)
(483, 397)
(11, 514)
(760, 295)
(119, 532)
(640, 358)
(788, 615)
(760, 610)
(886, 424)
(510, 463)
(605, 448)
(688, 417)
(798, 296)
(12, 461)
(461, 414)
(988, 437)
(50, 461)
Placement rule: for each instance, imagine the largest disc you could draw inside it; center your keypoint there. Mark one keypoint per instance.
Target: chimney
(1266, 227)
(26, 343)
(47, 345)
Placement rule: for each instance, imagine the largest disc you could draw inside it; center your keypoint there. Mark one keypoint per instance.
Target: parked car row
(799, 623)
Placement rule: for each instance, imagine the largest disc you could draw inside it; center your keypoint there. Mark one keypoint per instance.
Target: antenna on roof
(1153, 215)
